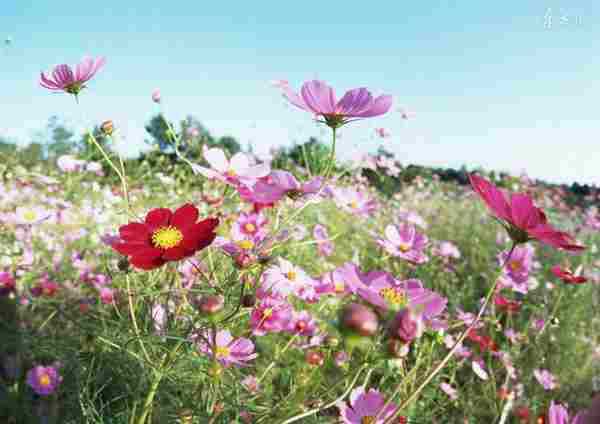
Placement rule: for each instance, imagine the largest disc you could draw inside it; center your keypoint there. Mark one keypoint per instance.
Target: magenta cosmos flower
(43, 380)
(364, 407)
(225, 349)
(318, 98)
(557, 414)
(545, 378)
(235, 171)
(519, 216)
(65, 79)
(271, 315)
(403, 241)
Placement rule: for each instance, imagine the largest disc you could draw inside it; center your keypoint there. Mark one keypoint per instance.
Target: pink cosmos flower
(270, 315)
(43, 380)
(276, 186)
(64, 79)
(449, 390)
(353, 201)
(7, 283)
(302, 323)
(478, 367)
(324, 245)
(156, 96)
(250, 226)
(517, 270)
(318, 98)
(384, 291)
(238, 170)
(225, 349)
(251, 383)
(364, 407)
(69, 163)
(31, 215)
(343, 280)
(286, 278)
(446, 249)
(545, 378)
(404, 242)
(521, 219)
(557, 414)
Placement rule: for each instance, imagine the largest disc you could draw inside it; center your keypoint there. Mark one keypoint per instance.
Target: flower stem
(332, 156)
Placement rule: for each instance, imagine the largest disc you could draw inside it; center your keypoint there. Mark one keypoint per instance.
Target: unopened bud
(210, 305)
(359, 319)
(107, 127)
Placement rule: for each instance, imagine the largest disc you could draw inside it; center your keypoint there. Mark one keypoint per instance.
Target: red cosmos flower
(519, 216)
(485, 342)
(567, 275)
(165, 236)
(507, 305)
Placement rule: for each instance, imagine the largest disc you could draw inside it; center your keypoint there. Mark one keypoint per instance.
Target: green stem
(332, 156)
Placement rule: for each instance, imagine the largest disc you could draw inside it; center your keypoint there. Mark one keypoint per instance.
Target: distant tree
(32, 154)
(60, 138)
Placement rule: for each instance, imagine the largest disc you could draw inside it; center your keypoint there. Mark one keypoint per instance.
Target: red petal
(158, 217)
(134, 231)
(145, 263)
(175, 253)
(185, 216)
(492, 196)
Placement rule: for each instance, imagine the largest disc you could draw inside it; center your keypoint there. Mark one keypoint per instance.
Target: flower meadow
(227, 290)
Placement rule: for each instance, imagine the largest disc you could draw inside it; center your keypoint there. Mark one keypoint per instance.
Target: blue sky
(509, 85)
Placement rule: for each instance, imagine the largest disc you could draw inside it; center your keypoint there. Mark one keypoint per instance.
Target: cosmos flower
(446, 249)
(318, 98)
(43, 380)
(449, 390)
(165, 236)
(567, 276)
(276, 186)
(382, 132)
(522, 220)
(270, 315)
(249, 226)
(225, 349)
(404, 242)
(31, 215)
(364, 407)
(517, 270)
(343, 280)
(65, 79)
(545, 378)
(69, 163)
(235, 171)
(156, 96)
(324, 245)
(7, 283)
(353, 201)
(286, 278)
(302, 323)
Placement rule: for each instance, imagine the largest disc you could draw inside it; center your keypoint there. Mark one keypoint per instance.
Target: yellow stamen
(245, 244)
(167, 237)
(339, 286)
(404, 247)
(393, 296)
(222, 352)
(250, 228)
(515, 265)
(353, 205)
(30, 216)
(267, 313)
(44, 380)
(291, 275)
(367, 420)
(231, 173)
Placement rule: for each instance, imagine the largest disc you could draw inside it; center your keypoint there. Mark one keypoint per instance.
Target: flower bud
(359, 319)
(398, 348)
(107, 127)
(314, 357)
(407, 326)
(156, 96)
(248, 300)
(211, 304)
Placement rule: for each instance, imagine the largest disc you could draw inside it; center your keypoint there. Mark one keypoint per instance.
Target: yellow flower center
(167, 237)
(339, 286)
(515, 265)
(393, 296)
(250, 228)
(404, 247)
(291, 275)
(44, 380)
(231, 173)
(368, 419)
(222, 352)
(267, 313)
(245, 244)
(30, 216)
(353, 204)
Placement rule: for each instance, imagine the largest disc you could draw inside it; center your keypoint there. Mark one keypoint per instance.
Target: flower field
(229, 289)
